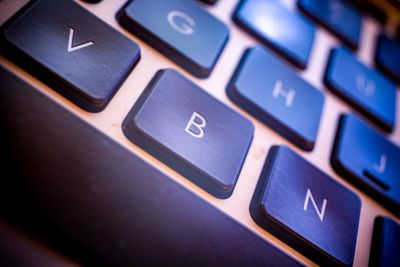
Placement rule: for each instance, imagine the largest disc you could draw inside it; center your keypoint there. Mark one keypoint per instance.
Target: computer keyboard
(199, 133)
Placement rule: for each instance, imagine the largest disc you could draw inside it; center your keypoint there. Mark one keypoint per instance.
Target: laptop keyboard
(283, 115)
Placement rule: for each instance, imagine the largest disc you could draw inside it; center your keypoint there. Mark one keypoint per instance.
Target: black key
(398, 34)
(337, 16)
(385, 245)
(210, 2)
(387, 57)
(276, 95)
(71, 50)
(365, 89)
(106, 200)
(371, 8)
(277, 27)
(365, 157)
(305, 208)
(190, 131)
(92, 1)
(179, 29)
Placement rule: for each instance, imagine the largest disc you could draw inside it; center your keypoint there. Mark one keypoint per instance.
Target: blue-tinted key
(365, 157)
(385, 245)
(337, 16)
(288, 33)
(306, 209)
(179, 29)
(387, 57)
(190, 131)
(71, 50)
(365, 89)
(272, 92)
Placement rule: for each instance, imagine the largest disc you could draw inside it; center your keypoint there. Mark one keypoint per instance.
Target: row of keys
(185, 39)
(61, 51)
(195, 134)
(62, 44)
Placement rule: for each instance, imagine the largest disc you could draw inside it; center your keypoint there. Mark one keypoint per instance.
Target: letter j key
(190, 131)
(365, 157)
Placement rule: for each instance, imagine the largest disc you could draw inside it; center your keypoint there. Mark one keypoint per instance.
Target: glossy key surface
(385, 244)
(180, 30)
(272, 92)
(191, 131)
(387, 57)
(286, 32)
(365, 89)
(71, 50)
(307, 209)
(365, 157)
(337, 16)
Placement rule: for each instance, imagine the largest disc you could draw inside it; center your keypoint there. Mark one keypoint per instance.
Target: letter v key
(77, 47)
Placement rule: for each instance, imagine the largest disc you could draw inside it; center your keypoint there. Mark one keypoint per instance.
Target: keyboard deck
(234, 197)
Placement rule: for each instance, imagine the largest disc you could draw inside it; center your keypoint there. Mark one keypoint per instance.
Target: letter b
(196, 125)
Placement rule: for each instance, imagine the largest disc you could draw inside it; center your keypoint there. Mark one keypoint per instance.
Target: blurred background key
(364, 88)
(284, 31)
(337, 16)
(387, 57)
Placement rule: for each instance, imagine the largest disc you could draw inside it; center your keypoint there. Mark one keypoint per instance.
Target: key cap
(273, 93)
(365, 89)
(398, 33)
(210, 2)
(371, 8)
(364, 156)
(305, 208)
(180, 30)
(106, 199)
(191, 132)
(387, 57)
(70, 50)
(278, 28)
(385, 245)
(337, 16)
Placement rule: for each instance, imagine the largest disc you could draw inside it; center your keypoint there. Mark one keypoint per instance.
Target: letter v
(77, 47)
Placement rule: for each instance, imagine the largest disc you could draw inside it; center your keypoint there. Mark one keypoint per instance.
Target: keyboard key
(103, 204)
(210, 2)
(363, 88)
(375, 168)
(398, 33)
(387, 57)
(71, 50)
(337, 16)
(284, 31)
(385, 245)
(190, 131)
(305, 208)
(179, 29)
(371, 8)
(272, 92)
